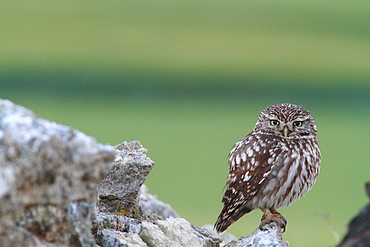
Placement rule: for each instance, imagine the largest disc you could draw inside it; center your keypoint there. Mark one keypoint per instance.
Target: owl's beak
(285, 131)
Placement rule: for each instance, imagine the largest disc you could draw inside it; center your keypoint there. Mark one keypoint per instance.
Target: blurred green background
(189, 78)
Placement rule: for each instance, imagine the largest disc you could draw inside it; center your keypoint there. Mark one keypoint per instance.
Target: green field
(188, 79)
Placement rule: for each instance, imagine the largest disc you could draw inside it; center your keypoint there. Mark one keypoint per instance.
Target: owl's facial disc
(286, 124)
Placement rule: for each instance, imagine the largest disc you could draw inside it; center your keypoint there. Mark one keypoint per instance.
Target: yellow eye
(297, 123)
(274, 122)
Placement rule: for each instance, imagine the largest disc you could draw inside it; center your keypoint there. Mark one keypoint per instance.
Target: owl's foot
(271, 215)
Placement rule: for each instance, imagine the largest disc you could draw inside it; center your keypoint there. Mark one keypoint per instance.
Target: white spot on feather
(249, 152)
(244, 156)
(247, 177)
(233, 164)
(237, 159)
(270, 160)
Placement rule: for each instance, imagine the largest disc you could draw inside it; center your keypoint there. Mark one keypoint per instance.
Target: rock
(125, 215)
(119, 190)
(206, 238)
(129, 171)
(270, 237)
(176, 232)
(169, 232)
(224, 236)
(359, 228)
(112, 238)
(48, 179)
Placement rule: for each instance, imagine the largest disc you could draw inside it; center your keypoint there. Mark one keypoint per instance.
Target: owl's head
(286, 120)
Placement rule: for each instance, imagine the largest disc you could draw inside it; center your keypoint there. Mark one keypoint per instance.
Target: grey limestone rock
(225, 236)
(119, 190)
(48, 179)
(129, 216)
(130, 169)
(270, 236)
(169, 232)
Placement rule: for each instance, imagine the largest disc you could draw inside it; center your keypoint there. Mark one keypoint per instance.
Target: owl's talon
(273, 216)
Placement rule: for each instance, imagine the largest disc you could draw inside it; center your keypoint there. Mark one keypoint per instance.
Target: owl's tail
(229, 215)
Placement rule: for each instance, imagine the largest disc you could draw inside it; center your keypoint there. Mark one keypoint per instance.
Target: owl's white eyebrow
(302, 118)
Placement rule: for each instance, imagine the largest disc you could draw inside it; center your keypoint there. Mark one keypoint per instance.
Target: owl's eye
(274, 122)
(297, 123)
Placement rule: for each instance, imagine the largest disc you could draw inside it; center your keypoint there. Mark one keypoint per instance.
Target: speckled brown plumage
(271, 167)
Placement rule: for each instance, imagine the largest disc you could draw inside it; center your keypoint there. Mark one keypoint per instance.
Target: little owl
(271, 167)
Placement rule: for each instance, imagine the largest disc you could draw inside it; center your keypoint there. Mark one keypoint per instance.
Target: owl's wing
(251, 161)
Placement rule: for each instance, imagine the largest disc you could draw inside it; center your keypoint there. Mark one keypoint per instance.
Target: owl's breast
(294, 171)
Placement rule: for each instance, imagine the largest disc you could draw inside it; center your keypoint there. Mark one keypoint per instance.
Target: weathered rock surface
(48, 179)
(119, 190)
(225, 236)
(270, 237)
(50, 193)
(129, 218)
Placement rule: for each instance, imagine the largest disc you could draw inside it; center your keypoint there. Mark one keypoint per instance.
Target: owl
(271, 167)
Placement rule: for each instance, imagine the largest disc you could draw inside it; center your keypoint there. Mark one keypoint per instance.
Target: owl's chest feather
(293, 173)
